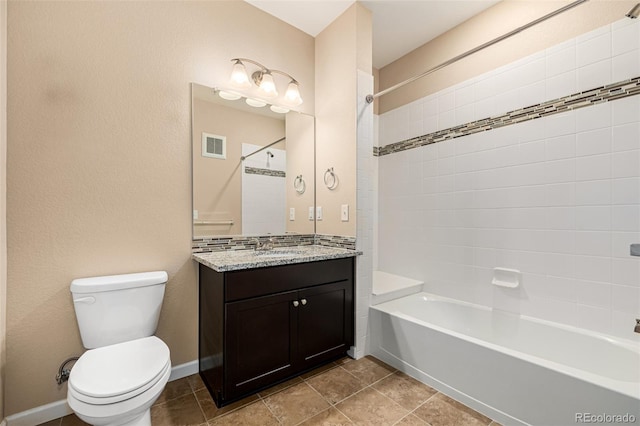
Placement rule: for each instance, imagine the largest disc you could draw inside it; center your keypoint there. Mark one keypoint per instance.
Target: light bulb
(239, 77)
(292, 97)
(268, 86)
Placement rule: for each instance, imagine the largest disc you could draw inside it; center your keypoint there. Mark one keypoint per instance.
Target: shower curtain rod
(264, 147)
(370, 98)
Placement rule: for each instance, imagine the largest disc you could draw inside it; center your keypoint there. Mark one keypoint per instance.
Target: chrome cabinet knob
(296, 303)
(303, 301)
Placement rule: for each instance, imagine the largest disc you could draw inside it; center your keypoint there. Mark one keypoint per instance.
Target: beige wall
(99, 159)
(495, 21)
(3, 197)
(217, 183)
(300, 161)
(341, 49)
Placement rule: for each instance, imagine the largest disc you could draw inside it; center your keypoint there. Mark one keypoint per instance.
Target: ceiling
(399, 26)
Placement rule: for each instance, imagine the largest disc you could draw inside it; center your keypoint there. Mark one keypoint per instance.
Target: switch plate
(292, 213)
(311, 215)
(344, 212)
(195, 214)
(319, 213)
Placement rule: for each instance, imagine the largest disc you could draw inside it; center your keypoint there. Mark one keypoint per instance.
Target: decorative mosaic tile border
(209, 244)
(264, 172)
(587, 98)
(339, 241)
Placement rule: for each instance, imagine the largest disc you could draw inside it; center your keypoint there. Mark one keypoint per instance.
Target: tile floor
(363, 392)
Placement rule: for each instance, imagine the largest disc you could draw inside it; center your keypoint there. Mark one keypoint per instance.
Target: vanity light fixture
(263, 78)
(255, 102)
(278, 109)
(230, 96)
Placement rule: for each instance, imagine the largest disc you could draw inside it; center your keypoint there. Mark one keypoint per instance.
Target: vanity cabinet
(262, 326)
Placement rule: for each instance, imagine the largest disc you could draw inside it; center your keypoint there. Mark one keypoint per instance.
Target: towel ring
(330, 179)
(299, 185)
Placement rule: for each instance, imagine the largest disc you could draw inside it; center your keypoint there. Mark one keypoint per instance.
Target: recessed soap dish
(505, 277)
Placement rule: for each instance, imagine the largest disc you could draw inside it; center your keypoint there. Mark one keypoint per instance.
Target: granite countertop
(234, 260)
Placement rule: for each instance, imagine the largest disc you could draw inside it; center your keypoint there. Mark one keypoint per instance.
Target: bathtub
(514, 369)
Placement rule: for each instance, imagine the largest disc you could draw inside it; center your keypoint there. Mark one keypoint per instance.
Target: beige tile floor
(347, 392)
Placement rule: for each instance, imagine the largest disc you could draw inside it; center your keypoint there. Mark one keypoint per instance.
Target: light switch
(319, 213)
(292, 213)
(311, 215)
(195, 214)
(344, 212)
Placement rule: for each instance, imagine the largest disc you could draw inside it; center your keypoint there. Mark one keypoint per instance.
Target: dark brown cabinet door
(325, 323)
(261, 342)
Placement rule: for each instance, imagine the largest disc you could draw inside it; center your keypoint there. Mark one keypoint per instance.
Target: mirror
(252, 168)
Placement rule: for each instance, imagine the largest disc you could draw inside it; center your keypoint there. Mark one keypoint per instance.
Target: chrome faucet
(263, 245)
(637, 328)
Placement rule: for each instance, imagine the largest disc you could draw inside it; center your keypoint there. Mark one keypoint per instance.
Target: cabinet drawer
(259, 282)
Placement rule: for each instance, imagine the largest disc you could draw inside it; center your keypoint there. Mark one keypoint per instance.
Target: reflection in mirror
(253, 168)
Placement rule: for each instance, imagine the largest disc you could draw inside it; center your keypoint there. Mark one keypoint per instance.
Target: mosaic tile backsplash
(584, 99)
(264, 172)
(208, 244)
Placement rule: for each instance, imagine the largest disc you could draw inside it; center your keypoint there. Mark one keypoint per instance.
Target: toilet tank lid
(118, 282)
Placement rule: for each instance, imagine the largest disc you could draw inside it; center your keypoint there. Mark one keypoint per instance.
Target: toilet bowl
(117, 384)
(126, 368)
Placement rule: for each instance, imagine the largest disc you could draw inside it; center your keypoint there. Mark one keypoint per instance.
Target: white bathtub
(514, 369)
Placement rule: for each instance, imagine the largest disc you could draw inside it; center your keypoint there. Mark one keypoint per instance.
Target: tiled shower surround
(557, 197)
(263, 190)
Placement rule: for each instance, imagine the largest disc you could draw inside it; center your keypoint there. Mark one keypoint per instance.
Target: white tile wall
(558, 197)
(263, 196)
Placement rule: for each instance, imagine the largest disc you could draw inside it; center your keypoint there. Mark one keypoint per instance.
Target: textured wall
(341, 49)
(300, 131)
(99, 159)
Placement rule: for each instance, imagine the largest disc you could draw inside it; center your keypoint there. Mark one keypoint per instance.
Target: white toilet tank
(118, 308)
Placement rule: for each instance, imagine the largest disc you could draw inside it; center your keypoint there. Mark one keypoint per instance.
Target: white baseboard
(184, 370)
(41, 414)
(54, 410)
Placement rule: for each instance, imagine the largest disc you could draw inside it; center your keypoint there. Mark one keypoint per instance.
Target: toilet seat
(115, 373)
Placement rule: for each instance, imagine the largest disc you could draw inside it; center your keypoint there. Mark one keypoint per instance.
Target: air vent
(214, 146)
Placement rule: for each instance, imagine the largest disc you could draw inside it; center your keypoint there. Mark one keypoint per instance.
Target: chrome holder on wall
(299, 185)
(330, 179)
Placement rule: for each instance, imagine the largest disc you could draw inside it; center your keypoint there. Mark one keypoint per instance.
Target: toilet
(126, 367)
